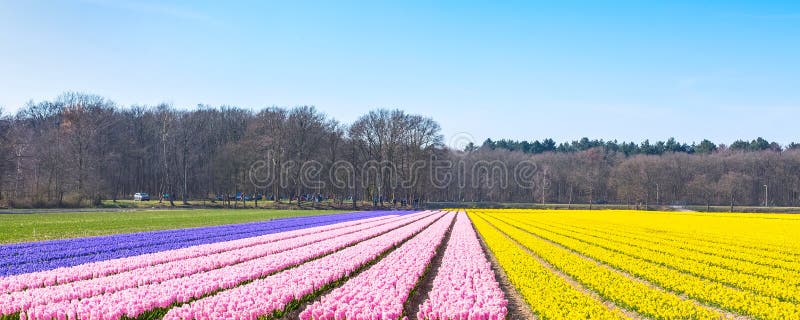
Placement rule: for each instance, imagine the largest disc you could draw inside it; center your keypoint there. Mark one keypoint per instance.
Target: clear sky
(626, 70)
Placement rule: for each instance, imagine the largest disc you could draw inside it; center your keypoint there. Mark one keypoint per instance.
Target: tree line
(80, 149)
(600, 175)
(631, 148)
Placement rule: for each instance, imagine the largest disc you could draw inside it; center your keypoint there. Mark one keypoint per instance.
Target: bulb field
(651, 265)
(438, 265)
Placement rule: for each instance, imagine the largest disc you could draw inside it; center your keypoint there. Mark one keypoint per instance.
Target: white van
(141, 196)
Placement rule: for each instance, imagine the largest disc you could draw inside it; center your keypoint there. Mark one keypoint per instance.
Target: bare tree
(732, 186)
(82, 147)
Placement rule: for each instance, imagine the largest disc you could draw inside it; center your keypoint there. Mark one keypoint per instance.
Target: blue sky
(626, 70)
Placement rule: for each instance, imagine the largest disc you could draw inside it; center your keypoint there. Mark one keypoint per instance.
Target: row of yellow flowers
(773, 233)
(704, 290)
(549, 296)
(677, 253)
(767, 252)
(768, 235)
(758, 285)
(773, 248)
(608, 283)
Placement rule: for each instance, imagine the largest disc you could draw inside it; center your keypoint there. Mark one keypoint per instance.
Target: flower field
(655, 265)
(363, 265)
(433, 265)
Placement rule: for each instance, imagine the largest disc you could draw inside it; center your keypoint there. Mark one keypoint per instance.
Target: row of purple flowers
(46, 255)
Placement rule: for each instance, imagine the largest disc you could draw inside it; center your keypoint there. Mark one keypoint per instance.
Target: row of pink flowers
(265, 296)
(464, 287)
(109, 267)
(381, 291)
(21, 300)
(133, 302)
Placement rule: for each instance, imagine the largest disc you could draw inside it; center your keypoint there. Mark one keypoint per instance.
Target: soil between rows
(577, 284)
(518, 309)
(295, 313)
(727, 314)
(425, 284)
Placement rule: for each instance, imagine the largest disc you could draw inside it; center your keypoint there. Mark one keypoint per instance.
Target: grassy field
(262, 204)
(45, 226)
(179, 203)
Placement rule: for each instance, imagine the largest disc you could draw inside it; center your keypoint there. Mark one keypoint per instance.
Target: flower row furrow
(711, 236)
(608, 283)
(683, 261)
(381, 291)
(133, 302)
(548, 295)
(115, 266)
(273, 294)
(757, 266)
(697, 288)
(758, 261)
(47, 255)
(464, 286)
(17, 301)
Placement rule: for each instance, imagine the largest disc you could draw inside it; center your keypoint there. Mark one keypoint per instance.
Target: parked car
(141, 196)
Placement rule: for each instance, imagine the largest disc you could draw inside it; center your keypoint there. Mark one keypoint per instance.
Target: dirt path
(518, 309)
(294, 313)
(579, 286)
(425, 284)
